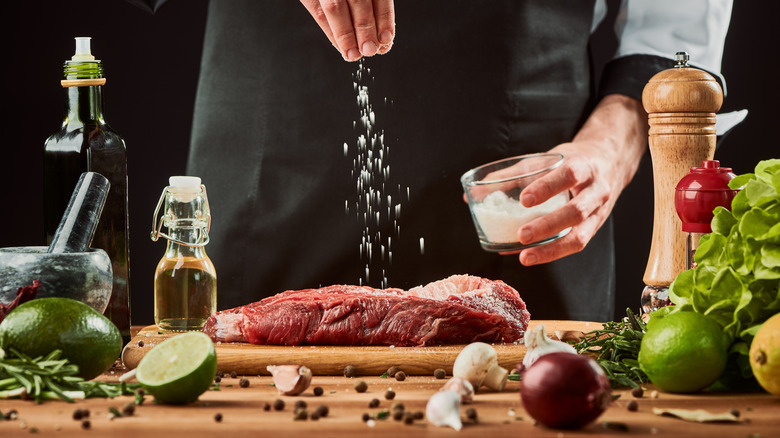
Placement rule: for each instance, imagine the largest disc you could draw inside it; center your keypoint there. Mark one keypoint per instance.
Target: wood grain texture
(248, 359)
(681, 105)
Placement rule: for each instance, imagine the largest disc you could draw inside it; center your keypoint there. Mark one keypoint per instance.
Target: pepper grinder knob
(681, 103)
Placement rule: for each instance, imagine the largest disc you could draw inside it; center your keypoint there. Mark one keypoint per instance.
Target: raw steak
(457, 310)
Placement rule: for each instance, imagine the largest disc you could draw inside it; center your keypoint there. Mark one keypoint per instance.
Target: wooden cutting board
(248, 359)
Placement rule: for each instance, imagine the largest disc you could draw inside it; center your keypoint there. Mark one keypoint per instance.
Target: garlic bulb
(539, 344)
(443, 409)
(462, 387)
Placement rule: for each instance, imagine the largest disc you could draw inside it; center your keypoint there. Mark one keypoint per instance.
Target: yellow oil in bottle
(185, 293)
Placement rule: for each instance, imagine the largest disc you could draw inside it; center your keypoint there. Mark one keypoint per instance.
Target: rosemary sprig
(616, 348)
(51, 377)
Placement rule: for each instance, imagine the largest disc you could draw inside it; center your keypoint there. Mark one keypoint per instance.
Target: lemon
(765, 355)
(683, 352)
(179, 369)
(85, 336)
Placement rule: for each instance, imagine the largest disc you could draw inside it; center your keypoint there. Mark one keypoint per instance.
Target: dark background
(152, 64)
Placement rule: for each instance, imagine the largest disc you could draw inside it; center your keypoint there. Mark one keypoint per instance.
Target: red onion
(565, 391)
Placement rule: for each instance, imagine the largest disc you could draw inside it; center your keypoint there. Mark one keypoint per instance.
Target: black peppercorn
(140, 343)
(632, 406)
(233, 374)
(637, 392)
(318, 391)
(300, 404)
(217, 379)
(361, 386)
(267, 406)
(278, 404)
(418, 415)
(128, 410)
(244, 382)
(218, 417)
(86, 424)
(390, 394)
(439, 373)
(350, 371)
(366, 417)
(322, 411)
(391, 371)
(400, 376)
(471, 414)
(398, 415)
(373, 403)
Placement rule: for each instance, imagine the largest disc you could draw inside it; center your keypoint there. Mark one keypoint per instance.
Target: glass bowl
(493, 194)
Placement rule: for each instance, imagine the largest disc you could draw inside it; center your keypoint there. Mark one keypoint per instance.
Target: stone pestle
(81, 217)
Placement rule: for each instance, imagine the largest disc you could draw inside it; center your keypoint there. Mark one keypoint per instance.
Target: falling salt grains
(422, 245)
(371, 171)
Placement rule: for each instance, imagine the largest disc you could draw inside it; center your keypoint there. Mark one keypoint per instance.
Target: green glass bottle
(86, 143)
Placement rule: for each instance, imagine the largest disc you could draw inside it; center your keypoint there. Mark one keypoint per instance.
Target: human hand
(599, 162)
(356, 28)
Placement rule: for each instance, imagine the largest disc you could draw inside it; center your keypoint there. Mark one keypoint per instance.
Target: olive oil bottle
(185, 282)
(86, 143)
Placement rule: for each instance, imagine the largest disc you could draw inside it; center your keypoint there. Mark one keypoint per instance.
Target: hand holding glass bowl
(493, 194)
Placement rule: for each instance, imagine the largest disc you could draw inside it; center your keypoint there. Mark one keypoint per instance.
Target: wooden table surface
(500, 414)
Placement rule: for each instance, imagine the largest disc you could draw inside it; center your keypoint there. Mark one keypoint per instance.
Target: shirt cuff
(628, 75)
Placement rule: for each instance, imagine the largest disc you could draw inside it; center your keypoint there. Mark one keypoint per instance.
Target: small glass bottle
(185, 282)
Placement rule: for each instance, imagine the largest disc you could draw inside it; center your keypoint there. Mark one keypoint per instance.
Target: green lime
(86, 337)
(179, 369)
(683, 352)
(765, 355)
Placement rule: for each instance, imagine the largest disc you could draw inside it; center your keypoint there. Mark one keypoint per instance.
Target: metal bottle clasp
(157, 225)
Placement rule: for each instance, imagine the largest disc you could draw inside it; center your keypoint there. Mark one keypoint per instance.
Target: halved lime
(179, 369)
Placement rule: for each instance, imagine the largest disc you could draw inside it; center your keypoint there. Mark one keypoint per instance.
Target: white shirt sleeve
(665, 27)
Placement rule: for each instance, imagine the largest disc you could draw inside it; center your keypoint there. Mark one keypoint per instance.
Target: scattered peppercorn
(233, 374)
(314, 416)
(361, 386)
(218, 417)
(391, 371)
(398, 415)
(78, 414)
(398, 406)
(373, 403)
(278, 404)
(217, 379)
(471, 414)
(322, 411)
(244, 382)
(408, 418)
(318, 391)
(735, 412)
(418, 415)
(128, 410)
(140, 343)
(439, 373)
(301, 414)
(350, 371)
(85, 424)
(638, 392)
(220, 374)
(400, 376)
(300, 404)
(366, 417)
(390, 394)
(632, 406)
(267, 406)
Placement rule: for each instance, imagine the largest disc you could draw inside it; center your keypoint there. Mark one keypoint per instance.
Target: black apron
(466, 83)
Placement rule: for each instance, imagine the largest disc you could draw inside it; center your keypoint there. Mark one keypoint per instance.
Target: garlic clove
(539, 344)
(462, 387)
(443, 409)
(290, 379)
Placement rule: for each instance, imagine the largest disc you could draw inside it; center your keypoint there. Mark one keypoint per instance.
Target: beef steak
(457, 310)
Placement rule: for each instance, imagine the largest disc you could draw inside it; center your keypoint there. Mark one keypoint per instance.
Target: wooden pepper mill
(681, 103)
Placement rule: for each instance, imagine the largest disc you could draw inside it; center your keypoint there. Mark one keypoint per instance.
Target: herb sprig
(51, 377)
(616, 347)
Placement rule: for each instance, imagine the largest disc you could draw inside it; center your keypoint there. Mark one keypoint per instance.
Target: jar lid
(698, 193)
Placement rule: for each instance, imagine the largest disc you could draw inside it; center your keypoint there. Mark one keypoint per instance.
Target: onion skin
(565, 391)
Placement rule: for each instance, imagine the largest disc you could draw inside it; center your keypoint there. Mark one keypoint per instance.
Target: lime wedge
(180, 369)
